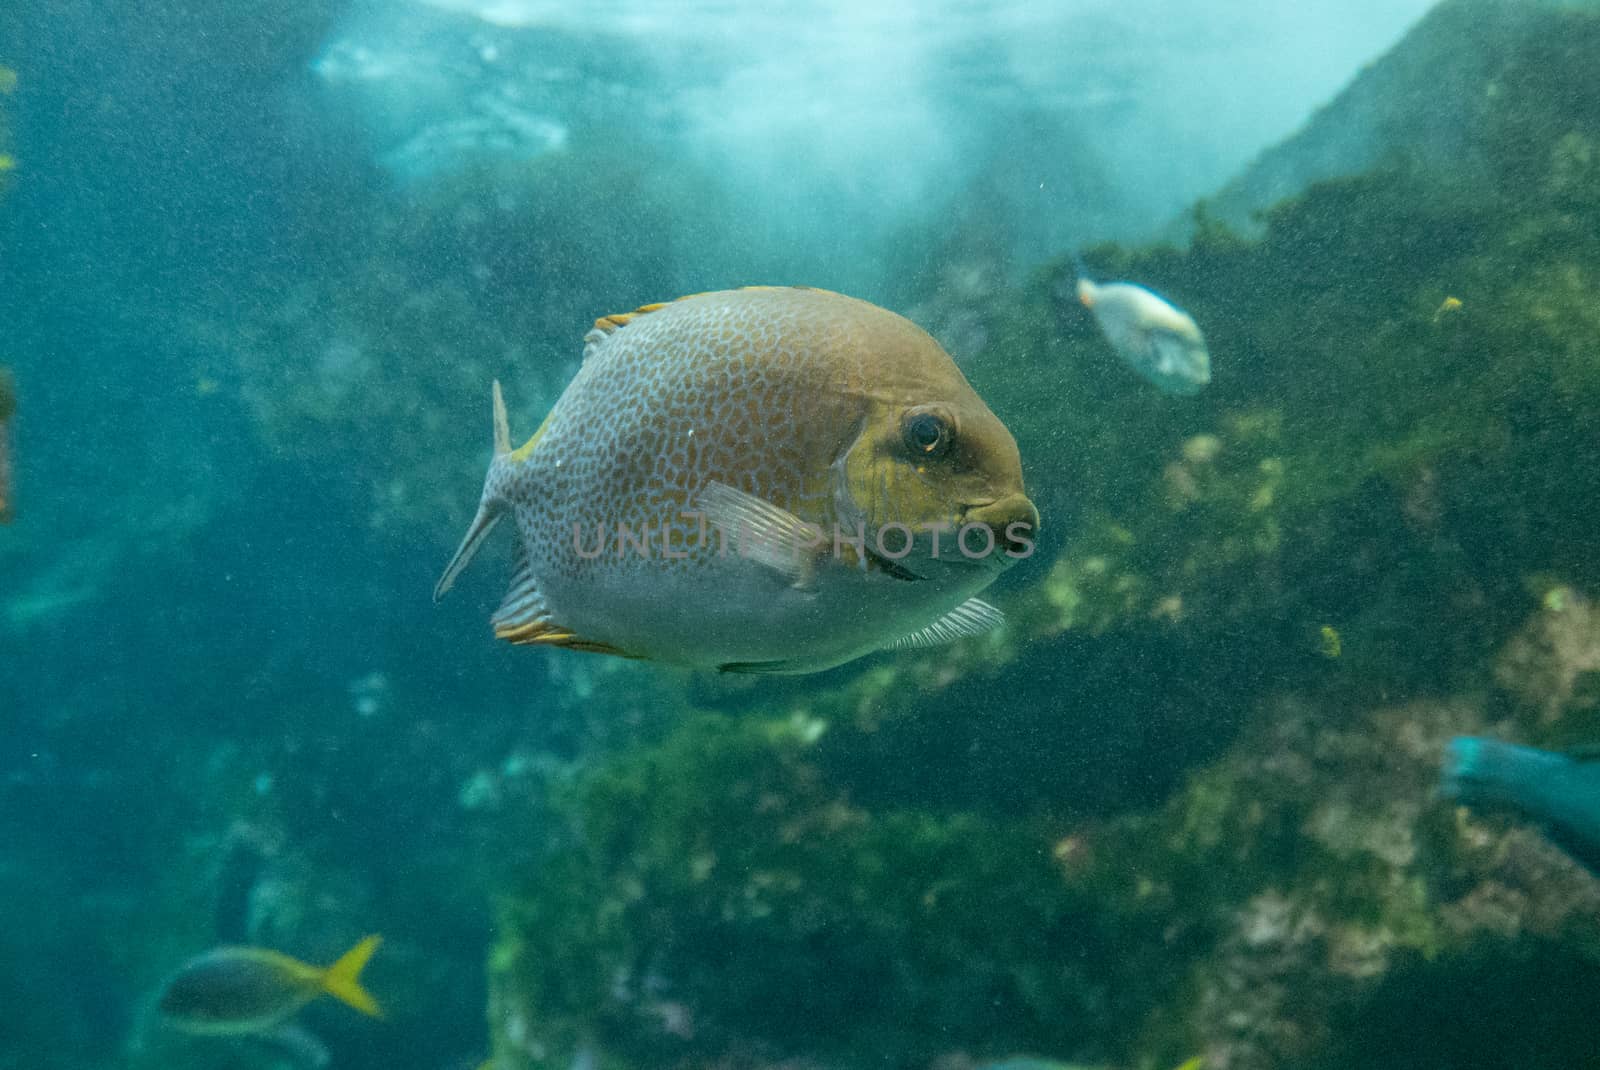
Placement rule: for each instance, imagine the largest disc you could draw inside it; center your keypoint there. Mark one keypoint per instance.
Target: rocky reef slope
(1187, 802)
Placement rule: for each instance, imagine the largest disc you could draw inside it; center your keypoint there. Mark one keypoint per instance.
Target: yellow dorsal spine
(607, 324)
(342, 980)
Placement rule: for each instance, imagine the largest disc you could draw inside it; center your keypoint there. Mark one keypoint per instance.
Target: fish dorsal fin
(605, 326)
(970, 618)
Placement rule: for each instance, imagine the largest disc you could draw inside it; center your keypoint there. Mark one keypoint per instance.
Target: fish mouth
(1013, 520)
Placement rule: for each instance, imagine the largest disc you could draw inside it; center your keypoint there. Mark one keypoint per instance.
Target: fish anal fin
(523, 618)
(523, 607)
(342, 980)
(544, 633)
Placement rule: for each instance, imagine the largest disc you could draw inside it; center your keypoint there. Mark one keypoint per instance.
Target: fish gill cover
(1159, 815)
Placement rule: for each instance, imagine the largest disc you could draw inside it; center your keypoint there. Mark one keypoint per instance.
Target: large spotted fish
(772, 479)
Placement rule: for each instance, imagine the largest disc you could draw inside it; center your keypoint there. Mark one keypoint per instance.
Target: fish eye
(926, 434)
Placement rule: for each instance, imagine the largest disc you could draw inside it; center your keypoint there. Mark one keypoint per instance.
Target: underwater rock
(1320, 863)
(725, 894)
(1235, 872)
(1423, 106)
(1168, 854)
(1552, 665)
(719, 895)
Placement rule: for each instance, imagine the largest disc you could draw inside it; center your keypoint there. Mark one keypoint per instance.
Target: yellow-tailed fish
(1446, 307)
(8, 406)
(1158, 340)
(772, 479)
(241, 990)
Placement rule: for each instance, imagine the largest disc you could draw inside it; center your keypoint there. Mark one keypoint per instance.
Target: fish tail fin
(490, 506)
(342, 980)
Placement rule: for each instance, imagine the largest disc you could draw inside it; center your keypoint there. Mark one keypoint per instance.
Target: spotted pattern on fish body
(793, 399)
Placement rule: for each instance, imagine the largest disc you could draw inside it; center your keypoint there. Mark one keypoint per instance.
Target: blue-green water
(258, 267)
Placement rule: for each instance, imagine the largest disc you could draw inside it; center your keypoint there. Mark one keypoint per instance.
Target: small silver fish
(1158, 340)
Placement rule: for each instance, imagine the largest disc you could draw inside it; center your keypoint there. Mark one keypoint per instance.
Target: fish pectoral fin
(342, 980)
(971, 618)
(1172, 350)
(765, 533)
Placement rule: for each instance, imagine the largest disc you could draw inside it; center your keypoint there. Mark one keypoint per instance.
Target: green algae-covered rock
(720, 895)
(1185, 802)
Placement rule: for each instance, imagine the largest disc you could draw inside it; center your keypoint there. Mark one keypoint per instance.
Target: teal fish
(1158, 340)
(1557, 792)
(772, 479)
